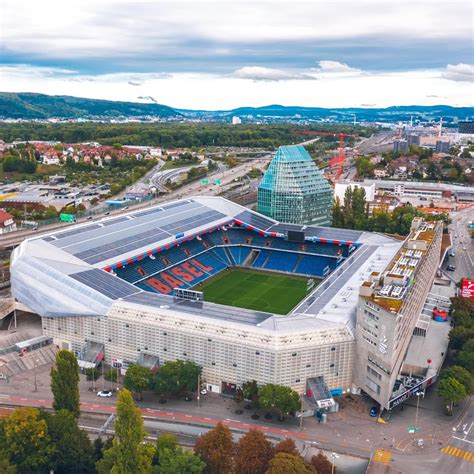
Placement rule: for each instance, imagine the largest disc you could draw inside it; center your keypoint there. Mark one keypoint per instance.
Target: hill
(40, 106)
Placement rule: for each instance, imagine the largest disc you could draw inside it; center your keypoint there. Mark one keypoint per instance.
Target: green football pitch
(250, 289)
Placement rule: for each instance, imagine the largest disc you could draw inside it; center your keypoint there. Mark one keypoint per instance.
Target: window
(372, 385)
(373, 373)
(257, 352)
(294, 354)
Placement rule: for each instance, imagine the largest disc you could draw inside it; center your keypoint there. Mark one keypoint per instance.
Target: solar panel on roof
(114, 221)
(77, 231)
(105, 283)
(254, 220)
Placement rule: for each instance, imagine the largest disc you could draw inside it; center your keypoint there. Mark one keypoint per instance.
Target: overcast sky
(223, 54)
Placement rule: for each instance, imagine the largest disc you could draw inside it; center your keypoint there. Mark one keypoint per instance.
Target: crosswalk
(382, 456)
(458, 452)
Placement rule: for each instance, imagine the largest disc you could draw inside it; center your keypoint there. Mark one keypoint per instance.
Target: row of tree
(353, 213)
(457, 381)
(255, 454)
(166, 135)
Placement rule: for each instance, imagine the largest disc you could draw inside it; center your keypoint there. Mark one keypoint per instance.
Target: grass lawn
(255, 290)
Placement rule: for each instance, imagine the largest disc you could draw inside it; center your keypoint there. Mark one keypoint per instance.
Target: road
(462, 245)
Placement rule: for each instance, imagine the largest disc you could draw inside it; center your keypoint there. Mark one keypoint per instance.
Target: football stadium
(205, 279)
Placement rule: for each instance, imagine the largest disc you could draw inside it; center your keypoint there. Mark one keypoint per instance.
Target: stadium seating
(282, 261)
(221, 249)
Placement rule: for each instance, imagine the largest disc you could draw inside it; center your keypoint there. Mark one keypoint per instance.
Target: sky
(223, 54)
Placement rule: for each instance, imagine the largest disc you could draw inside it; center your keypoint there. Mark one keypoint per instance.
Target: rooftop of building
(68, 264)
(389, 288)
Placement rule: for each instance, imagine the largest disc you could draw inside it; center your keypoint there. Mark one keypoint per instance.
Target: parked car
(203, 391)
(374, 411)
(188, 398)
(104, 393)
(451, 268)
(452, 253)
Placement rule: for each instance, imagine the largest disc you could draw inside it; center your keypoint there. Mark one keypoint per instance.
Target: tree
(137, 379)
(250, 392)
(170, 458)
(128, 453)
(216, 449)
(287, 446)
(92, 374)
(74, 451)
(176, 377)
(337, 214)
(461, 375)
(279, 398)
(451, 391)
(284, 463)
(466, 356)
(27, 442)
(253, 453)
(65, 382)
(322, 464)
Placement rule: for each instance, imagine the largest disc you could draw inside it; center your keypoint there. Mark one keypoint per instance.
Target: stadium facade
(109, 287)
(294, 190)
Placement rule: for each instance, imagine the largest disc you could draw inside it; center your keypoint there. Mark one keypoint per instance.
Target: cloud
(335, 67)
(258, 73)
(134, 83)
(459, 72)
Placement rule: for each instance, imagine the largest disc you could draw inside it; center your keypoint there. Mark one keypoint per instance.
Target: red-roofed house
(7, 224)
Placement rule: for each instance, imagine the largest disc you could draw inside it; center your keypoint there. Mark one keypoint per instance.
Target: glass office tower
(294, 190)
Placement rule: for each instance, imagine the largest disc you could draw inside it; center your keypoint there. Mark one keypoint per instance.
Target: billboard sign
(467, 289)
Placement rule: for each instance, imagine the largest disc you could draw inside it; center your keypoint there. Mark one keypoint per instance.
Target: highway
(462, 245)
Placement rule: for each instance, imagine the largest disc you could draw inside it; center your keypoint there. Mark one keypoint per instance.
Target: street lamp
(333, 456)
(34, 362)
(418, 395)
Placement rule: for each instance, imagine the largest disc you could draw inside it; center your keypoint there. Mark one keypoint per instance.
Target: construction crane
(336, 164)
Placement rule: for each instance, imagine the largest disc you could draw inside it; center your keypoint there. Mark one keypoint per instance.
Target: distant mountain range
(40, 106)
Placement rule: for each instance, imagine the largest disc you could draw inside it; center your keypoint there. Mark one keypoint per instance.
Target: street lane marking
(382, 456)
(462, 439)
(458, 453)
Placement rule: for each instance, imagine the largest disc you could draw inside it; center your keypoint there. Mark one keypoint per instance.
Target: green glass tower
(294, 190)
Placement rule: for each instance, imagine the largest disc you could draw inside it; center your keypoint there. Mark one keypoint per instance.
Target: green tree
(128, 452)
(253, 453)
(337, 214)
(170, 458)
(111, 375)
(466, 356)
(461, 375)
(250, 392)
(216, 449)
(176, 377)
(284, 463)
(65, 382)
(74, 451)
(277, 397)
(137, 379)
(92, 374)
(459, 335)
(27, 442)
(451, 391)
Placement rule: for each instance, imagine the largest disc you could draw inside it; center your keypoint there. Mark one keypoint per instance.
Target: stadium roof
(62, 274)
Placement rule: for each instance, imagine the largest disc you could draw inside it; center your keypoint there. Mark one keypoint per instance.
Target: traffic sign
(412, 429)
(467, 289)
(204, 181)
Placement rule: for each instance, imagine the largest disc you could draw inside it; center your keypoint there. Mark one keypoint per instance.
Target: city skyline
(220, 55)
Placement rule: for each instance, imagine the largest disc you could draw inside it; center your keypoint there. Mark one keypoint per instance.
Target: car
(464, 248)
(106, 213)
(104, 393)
(188, 398)
(89, 218)
(203, 391)
(451, 268)
(374, 411)
(452, 253)
(125, 208)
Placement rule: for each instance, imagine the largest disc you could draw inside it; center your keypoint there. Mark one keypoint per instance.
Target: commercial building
(294, 190)
(341, 187)
(110, 287)
(400, 146)
(390, 307)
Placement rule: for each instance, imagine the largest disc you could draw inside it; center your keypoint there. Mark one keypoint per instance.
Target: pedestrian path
(457, 452)
(382, 456)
